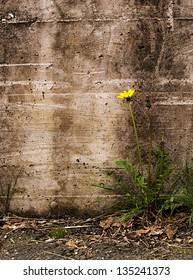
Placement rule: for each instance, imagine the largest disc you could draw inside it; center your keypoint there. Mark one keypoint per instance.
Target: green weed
(158, 191)
(59, 233)
(185, 181)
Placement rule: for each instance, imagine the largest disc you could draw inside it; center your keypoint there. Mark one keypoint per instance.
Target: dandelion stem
(150, 148)
(136, 137)
(162, 154)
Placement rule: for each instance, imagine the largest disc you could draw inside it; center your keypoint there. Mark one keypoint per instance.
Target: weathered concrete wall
(61, 65)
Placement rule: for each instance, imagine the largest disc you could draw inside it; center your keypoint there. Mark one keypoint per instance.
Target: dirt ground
(104, 239)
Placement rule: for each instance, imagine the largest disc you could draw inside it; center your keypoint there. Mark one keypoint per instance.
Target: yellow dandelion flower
(126, 94)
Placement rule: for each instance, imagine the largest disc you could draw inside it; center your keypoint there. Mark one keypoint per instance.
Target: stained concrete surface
(62, 63)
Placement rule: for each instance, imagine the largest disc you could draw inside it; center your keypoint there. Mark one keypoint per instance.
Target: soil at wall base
(104, 239)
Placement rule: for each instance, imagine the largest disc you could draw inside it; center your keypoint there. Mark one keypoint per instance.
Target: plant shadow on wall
(157, 189)
(8, 179)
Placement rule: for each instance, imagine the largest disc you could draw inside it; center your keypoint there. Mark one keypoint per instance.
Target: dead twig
(83, 226)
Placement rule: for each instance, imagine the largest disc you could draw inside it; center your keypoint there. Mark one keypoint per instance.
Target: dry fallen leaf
(105, 224)
(21, 225)
(142, 231)
(170, 232)
(116, 223)
(155, 231)
(131, 235)
(71, 244)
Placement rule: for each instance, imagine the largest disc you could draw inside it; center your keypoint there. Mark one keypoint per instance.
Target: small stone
(10, 16)
(53, 204)
(178, 240)
(190, 241)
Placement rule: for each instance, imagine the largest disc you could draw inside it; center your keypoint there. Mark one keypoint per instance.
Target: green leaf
(123, 164)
